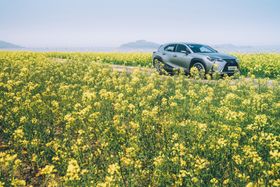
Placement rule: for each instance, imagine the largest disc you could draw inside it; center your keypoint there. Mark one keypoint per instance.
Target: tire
(159, 66)
(200, 66)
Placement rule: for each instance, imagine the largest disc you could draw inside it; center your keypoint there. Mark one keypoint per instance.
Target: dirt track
(130, 69)
(149, 71)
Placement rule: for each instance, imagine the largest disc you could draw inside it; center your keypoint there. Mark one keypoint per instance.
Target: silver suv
(174, 56)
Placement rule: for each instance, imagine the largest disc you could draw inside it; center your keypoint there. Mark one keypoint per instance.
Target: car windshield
(197, 48)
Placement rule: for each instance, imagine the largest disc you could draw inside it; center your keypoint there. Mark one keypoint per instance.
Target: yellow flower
(261, 119)
(113, 168)
(2, 184)
(173, 104)
(18, 182)
(134, 125)
(47, 170)
(214, 181)
(250, 184)
(18, 134)
(226, 181)
(158, 161)
(195, 179)
(274, 154)
(34, 121)
(126, 161)
(73, 170)
(23, 120)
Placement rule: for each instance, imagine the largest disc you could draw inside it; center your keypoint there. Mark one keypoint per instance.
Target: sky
(109, 23)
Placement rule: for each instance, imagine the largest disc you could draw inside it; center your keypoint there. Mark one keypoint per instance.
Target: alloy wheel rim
(158, 65)
(199, 66)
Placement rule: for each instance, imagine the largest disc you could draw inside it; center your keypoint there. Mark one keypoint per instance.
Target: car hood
(218, 55)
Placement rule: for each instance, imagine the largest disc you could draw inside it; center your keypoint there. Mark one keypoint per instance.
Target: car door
(181, 56)
(168, 53)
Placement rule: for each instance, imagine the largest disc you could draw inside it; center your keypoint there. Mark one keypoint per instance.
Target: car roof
(192, 43)
(186, 43)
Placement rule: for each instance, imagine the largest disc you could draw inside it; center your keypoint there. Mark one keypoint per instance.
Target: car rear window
(170, 48)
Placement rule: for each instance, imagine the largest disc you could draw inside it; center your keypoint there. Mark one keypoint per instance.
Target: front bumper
(228, 66)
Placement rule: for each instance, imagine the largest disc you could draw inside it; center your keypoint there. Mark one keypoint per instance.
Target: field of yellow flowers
(81, 124)
(260, 65)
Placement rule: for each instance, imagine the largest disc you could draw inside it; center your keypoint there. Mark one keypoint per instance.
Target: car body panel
(181, 60)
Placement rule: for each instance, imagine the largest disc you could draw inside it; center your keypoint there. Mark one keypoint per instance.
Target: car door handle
(174, 55)
(163, 53)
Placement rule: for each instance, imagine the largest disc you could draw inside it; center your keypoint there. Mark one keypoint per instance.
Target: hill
(140, 44)
(7, 45)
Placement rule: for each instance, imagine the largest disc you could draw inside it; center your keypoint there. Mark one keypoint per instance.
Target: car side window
(181, 49)
(170, 48)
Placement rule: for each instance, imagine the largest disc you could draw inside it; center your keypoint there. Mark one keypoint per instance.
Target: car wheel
(159, 66)
(200, 67)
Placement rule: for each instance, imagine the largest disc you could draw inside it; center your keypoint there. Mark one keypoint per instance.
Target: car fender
(158, 58)
(198, 60)
(168, 66)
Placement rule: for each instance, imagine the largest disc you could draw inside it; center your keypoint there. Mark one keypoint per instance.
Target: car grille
(230, 62)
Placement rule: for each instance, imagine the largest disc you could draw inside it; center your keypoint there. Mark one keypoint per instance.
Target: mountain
(247, 49)
(232, 48)
(140, 44)
(7, 45)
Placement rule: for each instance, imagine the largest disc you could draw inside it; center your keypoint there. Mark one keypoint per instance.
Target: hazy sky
(65, 23)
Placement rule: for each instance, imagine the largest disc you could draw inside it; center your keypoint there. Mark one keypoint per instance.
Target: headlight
(237, 60)
(215, 59)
